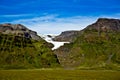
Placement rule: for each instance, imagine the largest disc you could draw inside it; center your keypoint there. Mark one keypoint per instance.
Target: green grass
(59, 75)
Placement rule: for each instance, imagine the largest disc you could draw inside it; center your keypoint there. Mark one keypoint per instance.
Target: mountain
(23, 48)
(66, 36)
(104, 24)
(95, 47)
(18, 29)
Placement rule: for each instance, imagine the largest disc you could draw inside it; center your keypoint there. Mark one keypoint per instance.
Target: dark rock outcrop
(67, 36)
(105, 24)
(19, 30)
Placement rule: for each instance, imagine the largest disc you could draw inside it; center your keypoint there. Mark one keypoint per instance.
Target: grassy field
(59, 75)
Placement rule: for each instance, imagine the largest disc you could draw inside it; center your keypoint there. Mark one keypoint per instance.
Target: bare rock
(19, 30)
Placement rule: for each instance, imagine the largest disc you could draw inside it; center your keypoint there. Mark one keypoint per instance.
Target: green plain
(51, 74)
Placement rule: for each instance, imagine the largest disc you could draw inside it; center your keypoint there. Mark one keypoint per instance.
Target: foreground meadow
(59, 75)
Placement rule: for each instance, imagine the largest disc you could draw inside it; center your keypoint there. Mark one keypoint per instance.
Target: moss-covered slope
(20, 52)
(94, 47)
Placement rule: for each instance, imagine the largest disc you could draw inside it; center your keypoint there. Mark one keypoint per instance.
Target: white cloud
(53, 24)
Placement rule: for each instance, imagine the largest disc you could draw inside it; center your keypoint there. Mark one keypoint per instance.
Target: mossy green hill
(94, 47)
(20, 52)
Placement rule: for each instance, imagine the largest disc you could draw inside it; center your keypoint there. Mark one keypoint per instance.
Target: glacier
(56, 44)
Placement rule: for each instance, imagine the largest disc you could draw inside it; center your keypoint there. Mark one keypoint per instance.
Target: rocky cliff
(105, 24)
(19, 30)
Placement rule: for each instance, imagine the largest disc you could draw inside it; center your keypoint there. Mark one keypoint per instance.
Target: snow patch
(56, 44)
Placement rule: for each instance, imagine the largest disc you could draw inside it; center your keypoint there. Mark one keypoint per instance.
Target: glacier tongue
(55, 43)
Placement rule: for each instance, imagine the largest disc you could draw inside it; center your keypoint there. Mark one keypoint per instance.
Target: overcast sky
(55, 16)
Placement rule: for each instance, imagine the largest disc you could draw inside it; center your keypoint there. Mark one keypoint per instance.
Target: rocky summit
(19, 30)
(105, 24)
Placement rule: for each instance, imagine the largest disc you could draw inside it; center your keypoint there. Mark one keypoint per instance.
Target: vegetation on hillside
(18, 52)
(92, 50)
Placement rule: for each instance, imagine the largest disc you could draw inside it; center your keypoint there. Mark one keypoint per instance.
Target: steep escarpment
(23, 48)
(96, 47)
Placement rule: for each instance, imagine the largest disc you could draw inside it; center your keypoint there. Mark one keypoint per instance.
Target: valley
(89, 54)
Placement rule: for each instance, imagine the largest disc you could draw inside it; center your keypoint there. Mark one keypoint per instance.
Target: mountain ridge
(102, 24)
(94, 47)
(105, 24)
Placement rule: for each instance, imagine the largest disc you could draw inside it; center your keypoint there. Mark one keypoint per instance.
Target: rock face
(90, 50)
(67, 36)
(18, 30)
(104, 24)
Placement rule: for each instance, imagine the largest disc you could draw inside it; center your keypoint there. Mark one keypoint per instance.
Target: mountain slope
(67, 36)
(94, 48)
(18, 51)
